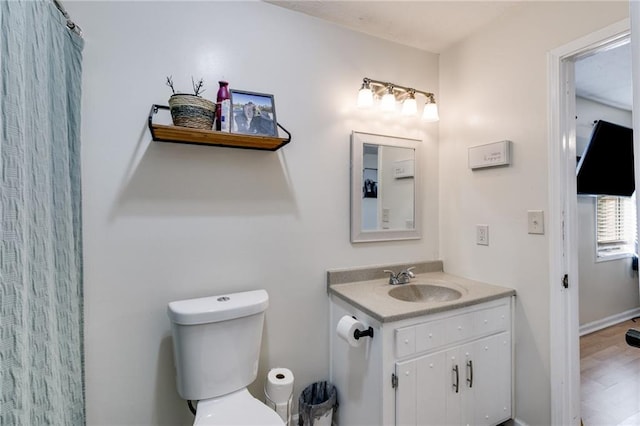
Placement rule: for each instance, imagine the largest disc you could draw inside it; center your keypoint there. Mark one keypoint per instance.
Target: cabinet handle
(470, 373)
(456, 382)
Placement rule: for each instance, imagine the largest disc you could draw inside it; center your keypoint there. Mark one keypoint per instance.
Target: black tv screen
(606, 168)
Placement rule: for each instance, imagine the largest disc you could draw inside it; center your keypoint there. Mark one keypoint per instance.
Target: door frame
(563, 238)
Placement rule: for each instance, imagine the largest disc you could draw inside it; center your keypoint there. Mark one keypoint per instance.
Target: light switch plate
(482, 235)
(535, 220)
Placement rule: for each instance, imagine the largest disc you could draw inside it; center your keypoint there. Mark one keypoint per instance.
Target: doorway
(564, 232)
(608, 290)
(608, 284)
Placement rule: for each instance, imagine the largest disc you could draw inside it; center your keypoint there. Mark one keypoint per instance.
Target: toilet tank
(216, 342)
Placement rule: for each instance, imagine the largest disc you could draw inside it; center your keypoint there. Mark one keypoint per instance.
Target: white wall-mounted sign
(490, 155)
(403, 169)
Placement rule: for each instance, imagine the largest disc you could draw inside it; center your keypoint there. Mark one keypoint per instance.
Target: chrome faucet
(401, 277)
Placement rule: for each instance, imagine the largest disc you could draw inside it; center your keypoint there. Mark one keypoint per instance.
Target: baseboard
(518, 422)
(609, 321)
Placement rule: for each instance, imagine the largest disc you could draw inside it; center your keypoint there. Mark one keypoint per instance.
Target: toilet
(216, 346)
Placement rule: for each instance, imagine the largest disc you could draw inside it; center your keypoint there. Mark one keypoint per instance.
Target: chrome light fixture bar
(390, 93)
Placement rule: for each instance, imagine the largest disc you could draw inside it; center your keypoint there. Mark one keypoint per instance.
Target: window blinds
(615, 225)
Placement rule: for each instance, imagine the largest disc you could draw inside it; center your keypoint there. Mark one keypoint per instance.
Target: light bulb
(410, 106)
(430, 112)
(388, 102)
(365, 97)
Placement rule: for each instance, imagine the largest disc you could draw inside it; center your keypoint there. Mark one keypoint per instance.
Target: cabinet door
(482, 371)
(420, 400)
(488, 378)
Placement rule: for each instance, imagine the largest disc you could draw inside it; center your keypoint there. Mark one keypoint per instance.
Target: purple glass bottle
(223, 94)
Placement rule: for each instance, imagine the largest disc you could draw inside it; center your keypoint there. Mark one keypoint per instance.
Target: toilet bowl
(237, 409)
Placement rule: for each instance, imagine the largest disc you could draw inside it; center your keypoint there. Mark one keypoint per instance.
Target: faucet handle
(393, 278)
(405, 275)
(408, 272)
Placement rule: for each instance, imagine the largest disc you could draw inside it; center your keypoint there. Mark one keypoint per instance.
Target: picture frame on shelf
(253, 113)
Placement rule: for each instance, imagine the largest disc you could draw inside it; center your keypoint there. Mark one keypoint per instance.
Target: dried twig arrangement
(198, 88)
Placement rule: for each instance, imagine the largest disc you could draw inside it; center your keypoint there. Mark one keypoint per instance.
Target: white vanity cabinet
(453, 367)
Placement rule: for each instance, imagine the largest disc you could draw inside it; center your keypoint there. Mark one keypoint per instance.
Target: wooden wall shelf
(176, 134)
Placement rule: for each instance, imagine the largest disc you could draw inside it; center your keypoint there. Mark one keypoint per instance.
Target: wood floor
(610, 377)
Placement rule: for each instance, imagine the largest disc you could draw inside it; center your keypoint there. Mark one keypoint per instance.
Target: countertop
(372, 296)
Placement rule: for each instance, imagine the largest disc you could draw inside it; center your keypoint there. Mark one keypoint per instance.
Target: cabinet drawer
(429, 335)
(459, 328)
(405, 341)
(491, 320)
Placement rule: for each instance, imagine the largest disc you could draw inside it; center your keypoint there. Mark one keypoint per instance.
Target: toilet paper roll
(279, 386)
(346, 328)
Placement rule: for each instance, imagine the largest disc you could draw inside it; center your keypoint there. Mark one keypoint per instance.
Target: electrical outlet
(482, 235)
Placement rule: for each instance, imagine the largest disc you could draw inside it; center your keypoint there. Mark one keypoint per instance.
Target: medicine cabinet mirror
(385, 188)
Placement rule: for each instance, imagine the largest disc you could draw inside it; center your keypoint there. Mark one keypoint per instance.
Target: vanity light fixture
(390, 93)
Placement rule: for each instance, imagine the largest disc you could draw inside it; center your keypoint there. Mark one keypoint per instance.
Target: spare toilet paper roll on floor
(278, 390)
(279, 385)
(346, 328)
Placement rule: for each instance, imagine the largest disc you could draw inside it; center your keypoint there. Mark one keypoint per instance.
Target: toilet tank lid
(218, 308)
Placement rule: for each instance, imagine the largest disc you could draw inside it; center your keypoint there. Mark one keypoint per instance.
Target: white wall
(494, 87)
(164, 222)
(606, 288)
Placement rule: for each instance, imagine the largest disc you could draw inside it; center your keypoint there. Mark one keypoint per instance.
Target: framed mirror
(385, 188)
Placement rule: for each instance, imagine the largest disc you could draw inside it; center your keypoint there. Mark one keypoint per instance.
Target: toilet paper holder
(357, 334)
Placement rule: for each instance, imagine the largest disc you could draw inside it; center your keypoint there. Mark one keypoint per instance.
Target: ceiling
(427, 25)
(606, 77)
(424, 25)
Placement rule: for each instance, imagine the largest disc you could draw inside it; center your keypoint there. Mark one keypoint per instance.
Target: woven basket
(192, 111)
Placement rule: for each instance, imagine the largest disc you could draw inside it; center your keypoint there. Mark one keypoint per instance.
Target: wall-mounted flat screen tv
(606, 168)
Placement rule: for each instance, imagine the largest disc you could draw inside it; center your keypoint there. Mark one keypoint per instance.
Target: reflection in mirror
(384, 188)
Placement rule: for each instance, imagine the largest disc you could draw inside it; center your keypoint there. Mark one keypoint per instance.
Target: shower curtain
(41, 328)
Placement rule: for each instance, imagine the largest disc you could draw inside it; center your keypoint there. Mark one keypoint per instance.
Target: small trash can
(316, 404)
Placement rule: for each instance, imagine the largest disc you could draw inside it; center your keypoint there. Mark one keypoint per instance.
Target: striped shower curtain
(41, 328)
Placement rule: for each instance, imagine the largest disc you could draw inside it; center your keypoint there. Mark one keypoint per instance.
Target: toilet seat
(238, 408)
